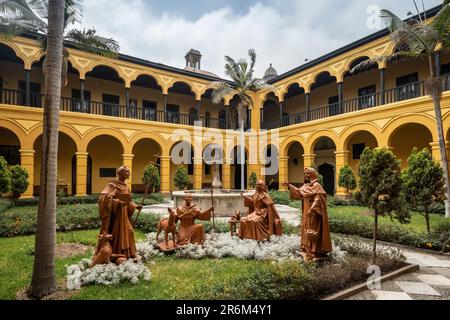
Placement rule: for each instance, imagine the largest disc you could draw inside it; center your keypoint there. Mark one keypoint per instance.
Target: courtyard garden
(213, 274)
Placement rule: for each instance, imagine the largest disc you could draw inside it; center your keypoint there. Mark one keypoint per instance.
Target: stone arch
(67, 148)
(63, 128)
(398, 122)
(289, 86)
(295, 162)
(145, 150)
(355, 143)
(288, 141)
(18, 131)
(104, 131)
(350, 131)
(96, 64)
(316, 77)
(315, 137)
(148, 74)
(11, 46)
(147, 135)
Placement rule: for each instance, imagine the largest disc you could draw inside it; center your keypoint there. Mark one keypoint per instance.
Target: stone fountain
(225, 202)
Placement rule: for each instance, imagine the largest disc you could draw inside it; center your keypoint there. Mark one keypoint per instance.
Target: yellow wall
(66, 150)
(360, 137)
(296, 172)
(408, 137)
(106, 152)
(145, 152)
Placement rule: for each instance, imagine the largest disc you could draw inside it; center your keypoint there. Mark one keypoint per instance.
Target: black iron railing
(405, 92)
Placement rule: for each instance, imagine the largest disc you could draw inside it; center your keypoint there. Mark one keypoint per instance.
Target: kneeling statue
(188, 231)
(263, 219)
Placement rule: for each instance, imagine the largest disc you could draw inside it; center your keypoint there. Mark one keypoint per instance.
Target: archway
(356, 145)
(106, 89)
(180, 100)
(182, 153)
(236, 168)
(66, 151)
(146, 151)
(106, 154)
(294, 105)
(271, 169)
(212, 154)
(9, 146)
(296, 164)
(324, 97)
(146, 100)
(325, 162)
(271, 113)
(407, 137)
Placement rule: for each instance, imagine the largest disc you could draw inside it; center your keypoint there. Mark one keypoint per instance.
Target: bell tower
(193, 58)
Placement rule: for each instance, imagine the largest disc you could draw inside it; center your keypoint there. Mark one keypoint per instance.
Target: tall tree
(18, 16)
(423, 183)
(244, 84)
(380, 183)
(44, 278)
(418, 38)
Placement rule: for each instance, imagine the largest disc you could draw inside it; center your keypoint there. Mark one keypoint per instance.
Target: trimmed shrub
(19, 180)
(252, 180)
(5, 176)
(151, 177)
(181, 178)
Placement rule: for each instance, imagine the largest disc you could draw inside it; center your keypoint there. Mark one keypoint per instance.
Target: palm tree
(418, 39)
(244, 84)
(44, 278)
(18, 16)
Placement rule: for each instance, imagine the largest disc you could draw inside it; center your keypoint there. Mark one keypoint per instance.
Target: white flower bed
(221, 245)
(81, 274)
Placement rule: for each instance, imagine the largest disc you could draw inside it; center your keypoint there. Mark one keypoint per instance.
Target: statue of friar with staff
(315, 230)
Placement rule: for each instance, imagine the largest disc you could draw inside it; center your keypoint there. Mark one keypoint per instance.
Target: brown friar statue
(116, 209)
(263, 219)
(188, 231)
(315, 230)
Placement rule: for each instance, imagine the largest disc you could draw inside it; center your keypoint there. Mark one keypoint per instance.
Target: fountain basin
(226, 202)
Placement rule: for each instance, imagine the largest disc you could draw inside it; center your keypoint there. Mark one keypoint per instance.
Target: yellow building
(126, 110)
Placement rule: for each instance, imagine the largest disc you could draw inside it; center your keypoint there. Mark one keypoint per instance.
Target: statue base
(169, 248)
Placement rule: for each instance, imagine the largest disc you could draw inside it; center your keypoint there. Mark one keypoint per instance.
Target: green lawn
(417, 220)
(171, 278)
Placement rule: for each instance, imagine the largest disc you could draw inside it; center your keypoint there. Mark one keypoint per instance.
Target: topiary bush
(19, 180)
(151, 177)
(181, 178)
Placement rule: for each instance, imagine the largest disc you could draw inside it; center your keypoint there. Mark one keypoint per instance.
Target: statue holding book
(116, 210)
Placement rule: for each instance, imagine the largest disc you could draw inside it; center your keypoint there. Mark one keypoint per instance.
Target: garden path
(430, 282)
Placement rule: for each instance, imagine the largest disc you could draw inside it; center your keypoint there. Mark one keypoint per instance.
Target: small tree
(5, 176)
(252, 180)
(19, 180)
(181, 178)
(380, 184)
(151, 177)
(423, 182)
(347, 178)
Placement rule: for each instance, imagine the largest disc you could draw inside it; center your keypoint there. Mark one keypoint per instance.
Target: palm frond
(441, 24)
(40, 7)
(252, 55)
(221, 89)
(16, 16)
(88, 40)
(232, 69)
(259, 84)
(246, 100)
(391, 20)
(73, 12)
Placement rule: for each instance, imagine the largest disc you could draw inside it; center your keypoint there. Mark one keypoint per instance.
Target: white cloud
(283, 32)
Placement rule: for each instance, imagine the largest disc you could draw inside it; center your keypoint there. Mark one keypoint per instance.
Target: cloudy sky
(283, 32)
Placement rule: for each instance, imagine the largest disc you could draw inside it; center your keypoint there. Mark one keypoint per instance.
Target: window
(445, 70)
(222, 119)
(110, 105)
(149, 110)
(358, 150)
(333, 105)
(35, 94)
(133, 109)
(173, 113)
(207, 119)
(207, 169)
(76, 101)
(11, 154)
(107, 172)
(366, 97)
(408, 86)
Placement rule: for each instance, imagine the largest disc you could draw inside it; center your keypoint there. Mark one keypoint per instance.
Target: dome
(270, 73)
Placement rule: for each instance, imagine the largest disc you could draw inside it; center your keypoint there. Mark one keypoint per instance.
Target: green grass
(16, 259)
(417, 220)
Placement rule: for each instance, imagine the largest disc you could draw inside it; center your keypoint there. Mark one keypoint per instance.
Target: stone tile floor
(431, 282)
